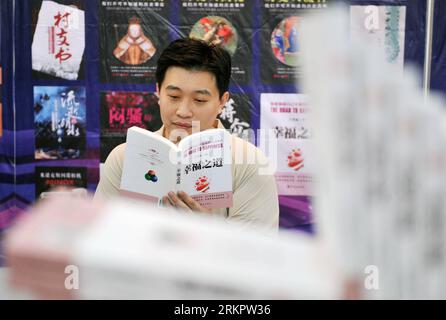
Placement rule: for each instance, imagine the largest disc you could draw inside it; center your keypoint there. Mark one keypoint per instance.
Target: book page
(206, 168)
(150, 165)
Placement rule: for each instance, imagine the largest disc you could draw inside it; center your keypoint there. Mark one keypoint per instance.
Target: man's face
(189, 101)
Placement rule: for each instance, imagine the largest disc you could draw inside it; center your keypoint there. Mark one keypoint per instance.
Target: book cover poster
(122, 110)
(287, 116)
(224, 23)
(236, 116)
(383, 25)
(132, 35)
(72, 179)
(58, 39)
(280, 43)
(60, 122)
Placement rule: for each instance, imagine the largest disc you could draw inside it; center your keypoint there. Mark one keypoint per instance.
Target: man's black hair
(197, 55)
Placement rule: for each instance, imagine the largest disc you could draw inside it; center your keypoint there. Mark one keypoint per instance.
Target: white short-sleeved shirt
(255, 199)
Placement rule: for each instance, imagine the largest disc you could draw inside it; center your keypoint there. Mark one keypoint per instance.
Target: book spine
(178, 173)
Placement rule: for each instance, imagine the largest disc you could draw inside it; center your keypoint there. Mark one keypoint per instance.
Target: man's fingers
(166, 202)
(177, 202)
(194, 205)
(183, 201)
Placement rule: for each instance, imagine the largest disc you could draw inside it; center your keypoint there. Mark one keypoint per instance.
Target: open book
(200, 165)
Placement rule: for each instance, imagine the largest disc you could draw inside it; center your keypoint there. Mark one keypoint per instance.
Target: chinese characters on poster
(236, 116)
(60, 122)
(122, 110)
(50, 180)
(59, 40)
(287, 115)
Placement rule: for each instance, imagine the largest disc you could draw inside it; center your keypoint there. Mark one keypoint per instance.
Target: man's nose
(184, 110)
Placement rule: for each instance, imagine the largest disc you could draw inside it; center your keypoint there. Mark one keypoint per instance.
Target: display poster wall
(79, 73)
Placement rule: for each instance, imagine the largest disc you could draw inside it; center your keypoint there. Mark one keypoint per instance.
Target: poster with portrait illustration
(280, 44)
(58, 39)
(286, 117)
(121, 110)
(236, 116)
(225, 24)
(132, 35)
(384, 26)
(60, 122)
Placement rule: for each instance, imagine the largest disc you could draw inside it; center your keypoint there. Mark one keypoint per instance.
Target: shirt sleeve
(111, 172)
(255, 198)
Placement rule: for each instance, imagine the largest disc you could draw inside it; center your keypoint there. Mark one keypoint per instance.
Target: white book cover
(288, 116)
(201, 166)
(59, 40)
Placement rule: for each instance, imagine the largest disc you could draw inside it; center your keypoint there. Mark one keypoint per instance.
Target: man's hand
(183, 201)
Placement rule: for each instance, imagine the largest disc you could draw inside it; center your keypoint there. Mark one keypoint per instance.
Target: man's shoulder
(119, 149)
(111, 172)
(116, 156)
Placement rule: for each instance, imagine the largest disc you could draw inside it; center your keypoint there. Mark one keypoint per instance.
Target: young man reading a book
(192, 85)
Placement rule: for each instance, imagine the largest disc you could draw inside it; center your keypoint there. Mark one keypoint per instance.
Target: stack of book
(38, 250)
(74, 248)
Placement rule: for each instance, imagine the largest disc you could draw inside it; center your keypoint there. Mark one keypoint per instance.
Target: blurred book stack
(74, 248)
(381, 171)
(39, 248)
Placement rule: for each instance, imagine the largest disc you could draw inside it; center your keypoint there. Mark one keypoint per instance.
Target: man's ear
(224, 98)
(157, 92)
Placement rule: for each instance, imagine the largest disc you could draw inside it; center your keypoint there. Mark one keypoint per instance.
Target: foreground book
(71, 248)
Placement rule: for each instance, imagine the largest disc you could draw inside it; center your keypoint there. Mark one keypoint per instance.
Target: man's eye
(174, 97)
(200, 101)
